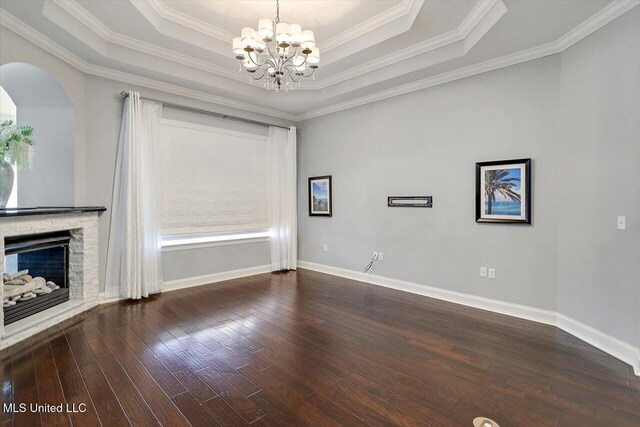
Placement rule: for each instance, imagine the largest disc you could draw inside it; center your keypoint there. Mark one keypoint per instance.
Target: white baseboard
(173, 285)
(611, 345)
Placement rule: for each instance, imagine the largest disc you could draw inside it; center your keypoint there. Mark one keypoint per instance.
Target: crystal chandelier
(279, 61)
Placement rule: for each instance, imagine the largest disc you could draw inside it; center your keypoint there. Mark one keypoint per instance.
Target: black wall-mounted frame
(410, 201)
(526, 193)
(329, 212)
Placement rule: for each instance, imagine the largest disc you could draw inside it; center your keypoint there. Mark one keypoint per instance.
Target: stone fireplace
(59, 247)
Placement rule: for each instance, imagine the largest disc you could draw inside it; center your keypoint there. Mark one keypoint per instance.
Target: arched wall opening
(8, 112)
(43, 104)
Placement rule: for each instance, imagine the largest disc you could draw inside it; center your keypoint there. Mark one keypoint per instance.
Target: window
(212, 182)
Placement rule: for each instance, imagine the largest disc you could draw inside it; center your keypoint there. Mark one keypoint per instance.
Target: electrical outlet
(483, 272)
(375, 256)
(492, 273)
(325, 248)
(380, 256)
(622, 222)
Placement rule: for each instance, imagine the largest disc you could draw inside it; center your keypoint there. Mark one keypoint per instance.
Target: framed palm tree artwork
(503, 191)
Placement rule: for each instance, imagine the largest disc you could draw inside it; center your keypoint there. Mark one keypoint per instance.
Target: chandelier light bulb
(251, 61)
(248, 41)
(238, 49)
(298, 61)
(259, 43)
(295, 31)
(265, 29)
(314, 56)
(308, 41)
(282, 34)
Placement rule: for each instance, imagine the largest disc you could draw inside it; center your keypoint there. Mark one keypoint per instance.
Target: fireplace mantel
(48, 210)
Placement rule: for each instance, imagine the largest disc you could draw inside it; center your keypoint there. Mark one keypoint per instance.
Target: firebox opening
(36, 274)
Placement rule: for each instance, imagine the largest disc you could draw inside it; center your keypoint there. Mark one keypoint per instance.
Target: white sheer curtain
(282, 198)
(133, 257)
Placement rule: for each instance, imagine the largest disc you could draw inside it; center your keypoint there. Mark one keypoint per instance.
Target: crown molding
(594, 23)
(488, 12)
(88, 21)
(187, 92)
(406, 7)
(182, 19)
(22, 29)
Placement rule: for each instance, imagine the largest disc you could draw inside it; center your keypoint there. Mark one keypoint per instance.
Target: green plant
(16, 144)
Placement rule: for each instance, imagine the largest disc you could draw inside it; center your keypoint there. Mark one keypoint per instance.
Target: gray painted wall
(427, 143)
(200, 262)
(50, 181)
(575, 114)
(599, 138)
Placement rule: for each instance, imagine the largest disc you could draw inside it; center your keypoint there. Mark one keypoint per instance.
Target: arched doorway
(8, 111)
(42, 103)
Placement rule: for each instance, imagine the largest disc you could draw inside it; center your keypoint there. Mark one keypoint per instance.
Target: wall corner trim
(611, 345)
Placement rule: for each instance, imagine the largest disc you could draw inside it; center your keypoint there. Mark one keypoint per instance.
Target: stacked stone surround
(83, 267)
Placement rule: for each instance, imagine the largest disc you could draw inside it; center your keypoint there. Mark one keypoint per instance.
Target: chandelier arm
(254, 62)
(272, 56)
(290, 60)
(271, 61)
(292, 74)
(313, 70)
(295, 54)
(261, 76)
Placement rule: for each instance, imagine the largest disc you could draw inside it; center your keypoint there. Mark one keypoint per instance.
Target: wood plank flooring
(304, 348)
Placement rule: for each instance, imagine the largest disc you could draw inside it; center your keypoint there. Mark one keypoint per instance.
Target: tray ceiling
(370, 49)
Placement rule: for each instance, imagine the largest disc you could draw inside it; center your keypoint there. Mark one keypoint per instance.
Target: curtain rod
(206, 112)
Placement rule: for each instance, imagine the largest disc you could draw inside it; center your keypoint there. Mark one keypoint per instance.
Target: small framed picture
(320, 196)
(503, 191)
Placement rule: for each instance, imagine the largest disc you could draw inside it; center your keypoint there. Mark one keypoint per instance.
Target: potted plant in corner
(15, 150)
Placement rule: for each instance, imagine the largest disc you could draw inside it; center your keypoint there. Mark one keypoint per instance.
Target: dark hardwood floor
(305, 348)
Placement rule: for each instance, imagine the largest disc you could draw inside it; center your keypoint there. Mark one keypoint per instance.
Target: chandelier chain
(277, 11)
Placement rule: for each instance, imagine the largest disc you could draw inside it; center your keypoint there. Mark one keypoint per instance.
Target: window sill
(181, 243)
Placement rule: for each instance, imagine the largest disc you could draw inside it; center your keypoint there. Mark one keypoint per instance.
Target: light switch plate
(622, 222)
(483, 272)
(492, 273)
